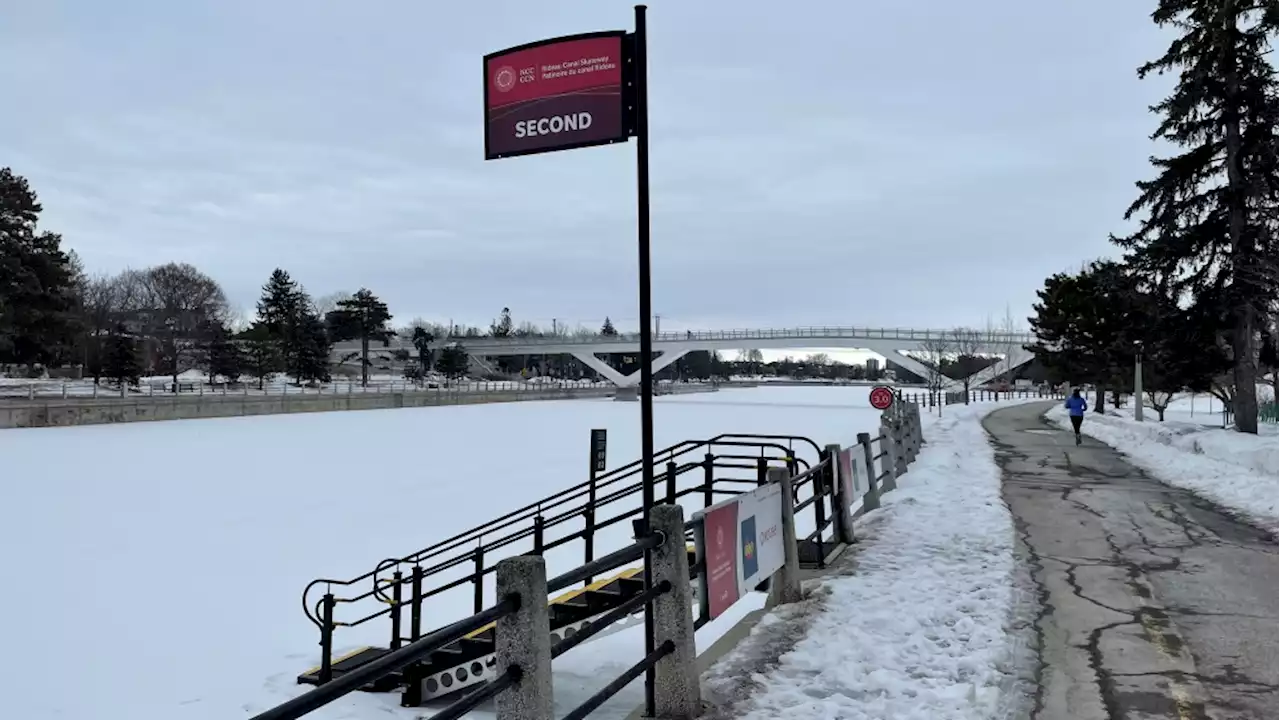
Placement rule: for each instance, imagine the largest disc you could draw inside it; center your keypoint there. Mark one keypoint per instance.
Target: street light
(1137, 380)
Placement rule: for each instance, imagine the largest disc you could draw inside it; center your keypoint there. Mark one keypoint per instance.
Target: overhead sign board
(555, 94)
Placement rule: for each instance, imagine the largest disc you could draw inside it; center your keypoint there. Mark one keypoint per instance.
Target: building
(873, 368)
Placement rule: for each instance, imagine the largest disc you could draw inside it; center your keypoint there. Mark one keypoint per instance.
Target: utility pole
(657, 324)
(1137, 380)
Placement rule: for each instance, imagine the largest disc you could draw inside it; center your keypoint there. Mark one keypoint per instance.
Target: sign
(720, 549)
(599, 450)
(881, 397)
(555, 94)
(760, 538)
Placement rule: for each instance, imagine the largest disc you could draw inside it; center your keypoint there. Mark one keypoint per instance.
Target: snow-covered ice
(153, 570)
(918, 623)
(1192, 450)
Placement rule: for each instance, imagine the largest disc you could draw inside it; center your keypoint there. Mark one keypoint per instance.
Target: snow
(918, 623)
(156, 568)
(1192, 450)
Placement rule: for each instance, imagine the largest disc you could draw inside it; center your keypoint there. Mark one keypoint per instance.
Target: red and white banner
(742, 545)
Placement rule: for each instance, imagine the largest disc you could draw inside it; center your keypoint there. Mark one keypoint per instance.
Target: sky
(836, 163)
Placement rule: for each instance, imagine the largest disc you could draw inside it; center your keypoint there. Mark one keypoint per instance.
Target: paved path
(1154, 603)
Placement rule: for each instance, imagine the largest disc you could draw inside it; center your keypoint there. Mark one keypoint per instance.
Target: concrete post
(524, 639)
(840, 510)
(890, 449)
(784, 586)
(677, 693)
(871, 498)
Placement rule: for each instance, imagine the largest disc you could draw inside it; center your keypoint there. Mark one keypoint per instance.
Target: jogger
(1076, 406)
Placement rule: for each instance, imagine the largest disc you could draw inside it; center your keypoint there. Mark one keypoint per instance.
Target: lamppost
(1137, 380)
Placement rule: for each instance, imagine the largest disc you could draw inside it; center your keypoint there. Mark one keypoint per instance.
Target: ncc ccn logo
(750, 564)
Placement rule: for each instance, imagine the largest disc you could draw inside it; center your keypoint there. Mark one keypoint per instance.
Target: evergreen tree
(38, 281)
(261, 353)
(607, 330)
(121, 362)
(1084, 326)
(281, 304)
(453, 361)
(422, 340)
(364, 317)
(503, 326)
(224, 357)
(1209, 216)
(312, 350)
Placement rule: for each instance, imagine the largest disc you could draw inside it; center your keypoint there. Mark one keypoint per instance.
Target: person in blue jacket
(1075, 408)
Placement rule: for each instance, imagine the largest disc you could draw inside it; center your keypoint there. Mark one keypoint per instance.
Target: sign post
(572, 92)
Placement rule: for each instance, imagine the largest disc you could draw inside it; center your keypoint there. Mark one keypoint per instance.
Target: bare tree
(967, 344)
(934, 352)
(100, 304)
(326, 304)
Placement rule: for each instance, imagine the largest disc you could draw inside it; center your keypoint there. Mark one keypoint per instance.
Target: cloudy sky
(872, 163)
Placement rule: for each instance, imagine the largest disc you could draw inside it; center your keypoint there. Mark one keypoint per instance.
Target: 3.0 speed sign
(881, 397)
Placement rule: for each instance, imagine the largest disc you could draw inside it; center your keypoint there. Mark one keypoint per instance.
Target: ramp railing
(703, 470)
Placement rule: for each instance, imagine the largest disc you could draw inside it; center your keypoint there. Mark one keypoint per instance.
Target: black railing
(955, 397)
(389, 663)
(544, 526)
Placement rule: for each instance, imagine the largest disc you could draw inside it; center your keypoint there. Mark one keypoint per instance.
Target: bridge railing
(811, 332)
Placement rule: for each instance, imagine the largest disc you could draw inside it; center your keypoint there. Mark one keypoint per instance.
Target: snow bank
(1235, 470)
(919, 623)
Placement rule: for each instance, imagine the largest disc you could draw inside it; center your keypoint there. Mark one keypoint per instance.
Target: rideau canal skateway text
(1155, 604)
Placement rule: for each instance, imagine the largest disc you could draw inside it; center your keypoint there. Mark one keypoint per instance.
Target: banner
(720, 549)
(760, 536)
(555, 94)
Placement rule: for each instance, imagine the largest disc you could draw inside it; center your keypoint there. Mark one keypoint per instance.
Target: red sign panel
(881, 397)
(720, 547)
(554, 95)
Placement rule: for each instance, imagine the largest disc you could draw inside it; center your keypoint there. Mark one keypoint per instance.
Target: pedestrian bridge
(892, 343)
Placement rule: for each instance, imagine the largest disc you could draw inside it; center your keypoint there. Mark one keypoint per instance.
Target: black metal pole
(640, 55)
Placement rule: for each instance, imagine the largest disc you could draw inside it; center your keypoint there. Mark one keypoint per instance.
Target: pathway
(1155, 604)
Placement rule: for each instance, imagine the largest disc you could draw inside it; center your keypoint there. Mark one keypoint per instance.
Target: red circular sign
(881, 397)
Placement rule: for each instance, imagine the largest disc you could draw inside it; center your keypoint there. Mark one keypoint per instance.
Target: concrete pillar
(841, 511)
(677, 693)
(889, 445)
(524, 639)
(784, 585)
(871, 498)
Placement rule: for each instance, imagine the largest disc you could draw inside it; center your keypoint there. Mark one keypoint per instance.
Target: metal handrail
(803, 332)
(392, 661)
(529, 512)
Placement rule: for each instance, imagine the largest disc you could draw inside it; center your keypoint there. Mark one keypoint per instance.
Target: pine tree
(453, 361)
(313, 347)
(121, 362)
(422, 340)
(1209, 224)
(607, 330)
(261, 353)
(224, 357)
(38, 283)
(364, 317)
(1085, 325)
(503, 326)
(281, 304)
